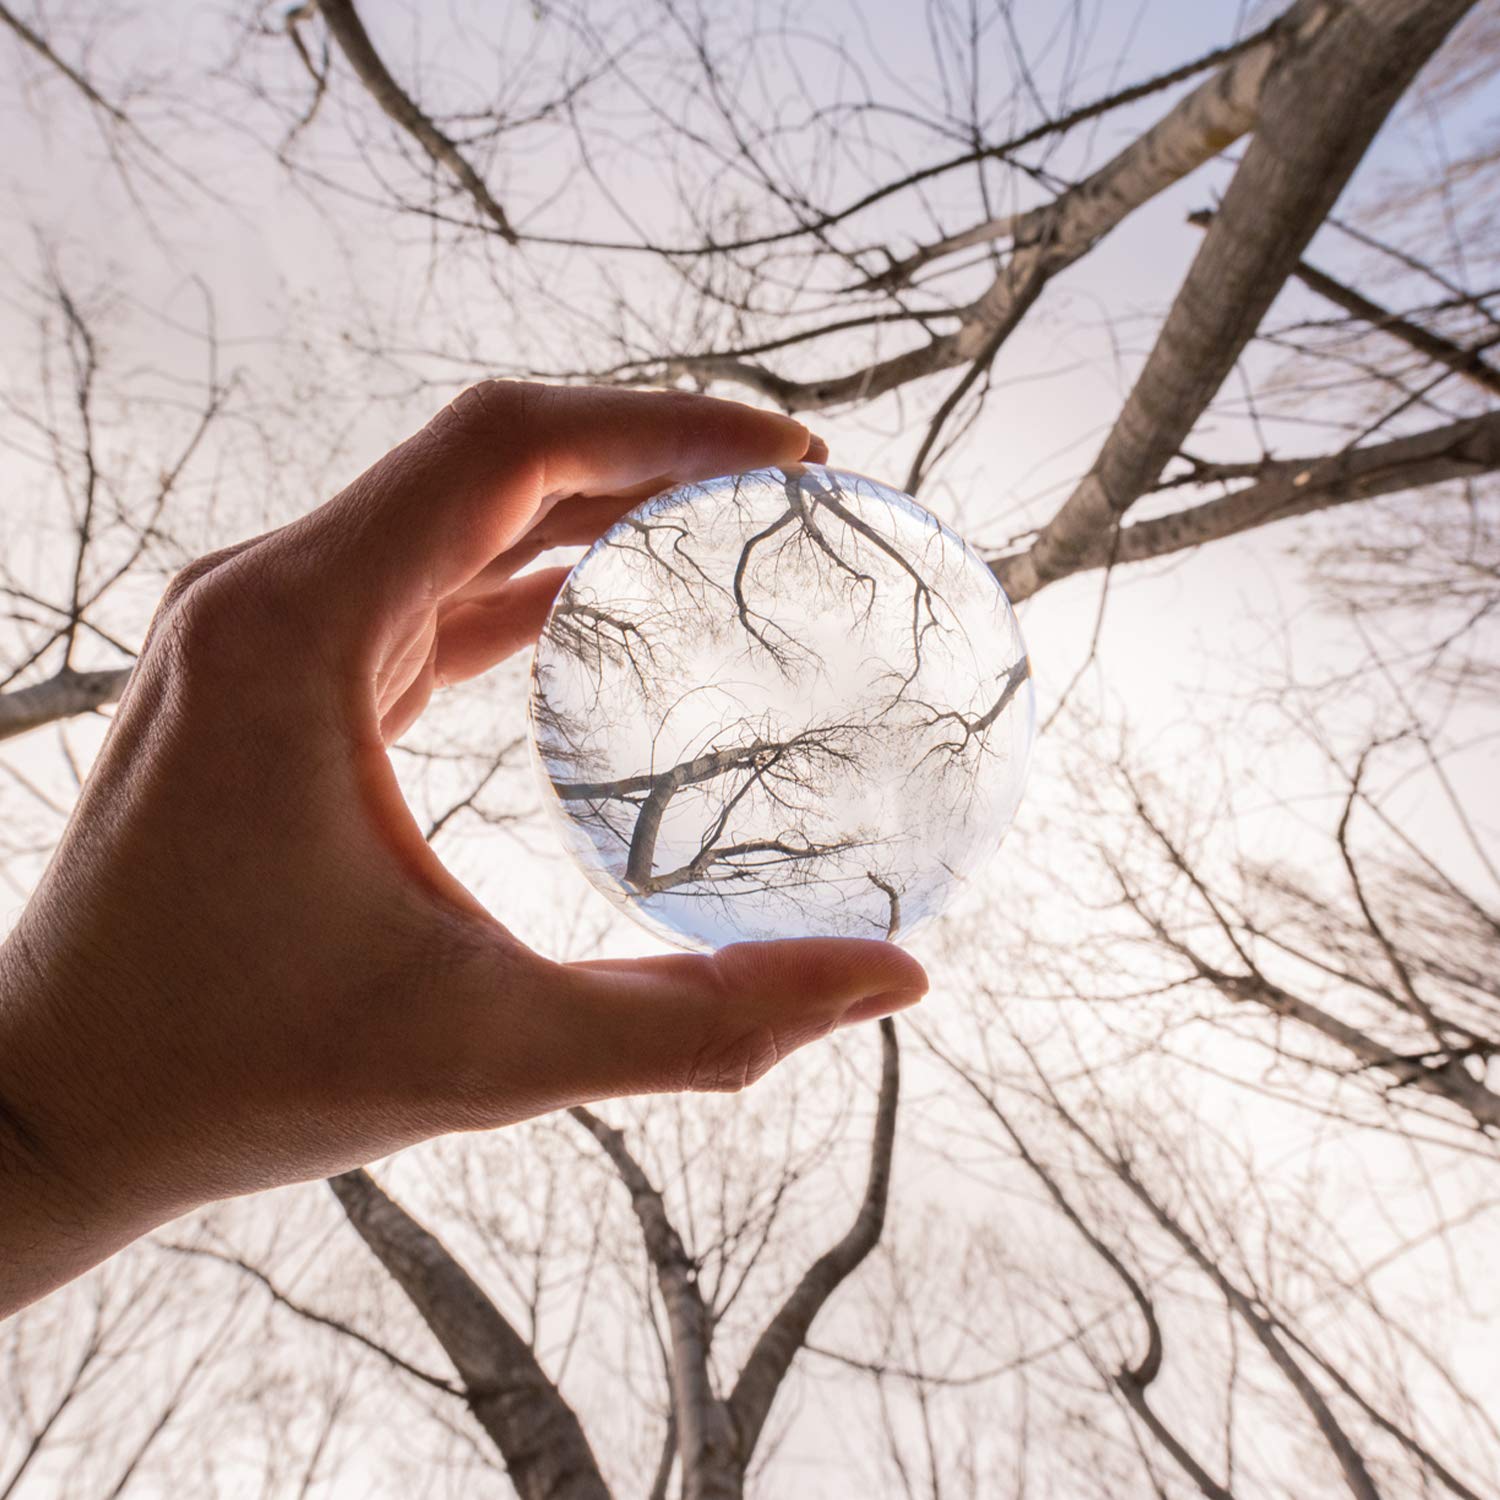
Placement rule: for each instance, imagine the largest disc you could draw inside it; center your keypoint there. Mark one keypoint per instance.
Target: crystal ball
(784, 703)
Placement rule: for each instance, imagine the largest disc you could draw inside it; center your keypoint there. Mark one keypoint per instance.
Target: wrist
(70, 1191)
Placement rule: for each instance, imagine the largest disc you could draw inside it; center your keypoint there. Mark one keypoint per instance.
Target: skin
(244, 967)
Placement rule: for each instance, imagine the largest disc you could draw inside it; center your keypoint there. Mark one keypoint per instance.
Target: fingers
(431, 514)
(571, 523)
(503, 1035)
(475, 633)
(719, 1022)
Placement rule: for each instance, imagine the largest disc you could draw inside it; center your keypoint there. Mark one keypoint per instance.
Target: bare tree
(1395, 971)
(712, 1433)
(70, 1370)
(1089, 1279)
(118, 507)
(1305, 139)
(1350, 1426)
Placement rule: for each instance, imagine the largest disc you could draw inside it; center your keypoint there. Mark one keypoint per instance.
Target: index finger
(434, 511)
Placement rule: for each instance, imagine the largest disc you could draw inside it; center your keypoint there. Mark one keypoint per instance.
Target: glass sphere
(787, 703)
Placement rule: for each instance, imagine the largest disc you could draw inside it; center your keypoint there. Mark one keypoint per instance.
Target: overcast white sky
(1183, 641)
(287, 279)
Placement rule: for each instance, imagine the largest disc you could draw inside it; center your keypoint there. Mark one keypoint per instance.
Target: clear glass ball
(787, 703)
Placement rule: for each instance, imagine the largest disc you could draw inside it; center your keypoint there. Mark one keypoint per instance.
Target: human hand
(245, 966)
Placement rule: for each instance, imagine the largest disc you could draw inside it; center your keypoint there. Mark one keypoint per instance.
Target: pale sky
(296, 283)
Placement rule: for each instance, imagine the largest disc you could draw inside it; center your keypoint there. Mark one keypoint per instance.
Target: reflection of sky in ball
(781, 704)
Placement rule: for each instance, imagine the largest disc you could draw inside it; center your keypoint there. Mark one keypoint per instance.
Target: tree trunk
(1319, 111)
(544, 1447)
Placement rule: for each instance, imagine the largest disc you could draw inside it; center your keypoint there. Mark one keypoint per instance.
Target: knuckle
(191, 638)
(509, 416)
(188, 579)
(181, 582)
(218, 612)
(206, 610)
(490, 406)
(190, 575)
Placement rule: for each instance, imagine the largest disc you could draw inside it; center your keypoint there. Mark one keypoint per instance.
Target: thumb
(720, 1021)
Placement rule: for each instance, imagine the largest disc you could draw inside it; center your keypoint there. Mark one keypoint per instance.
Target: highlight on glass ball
(786, 703)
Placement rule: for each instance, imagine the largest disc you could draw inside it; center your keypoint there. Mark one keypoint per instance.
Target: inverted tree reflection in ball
(783, 703)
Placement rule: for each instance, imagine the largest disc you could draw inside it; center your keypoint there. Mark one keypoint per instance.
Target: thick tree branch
(346, 28)
(1052, 237)
(704, 767)
(1470, 363)
(538, 1435)
(786, 1334)
(704, 1438)
(1284, 488)
(62, 696)
(1318, 112)
(992, 151)
(1196, 129)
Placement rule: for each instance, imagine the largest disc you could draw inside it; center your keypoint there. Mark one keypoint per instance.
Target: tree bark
(688, 773)
(1196, 129)
(544, 1447)
(1318, 112)
(1284, 488)
(704, 1439)
(63, 696)
(715, 1438)
(346, 28)
(1050, 238)
(786, 1334)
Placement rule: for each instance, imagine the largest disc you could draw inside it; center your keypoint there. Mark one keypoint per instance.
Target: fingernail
(817, 450)
(874, 1006)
